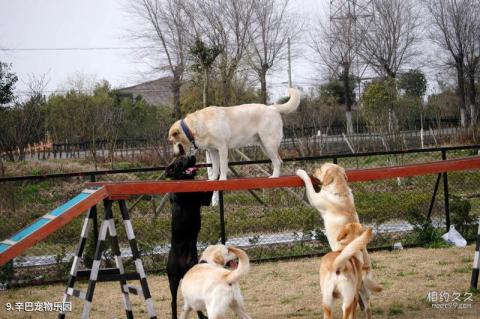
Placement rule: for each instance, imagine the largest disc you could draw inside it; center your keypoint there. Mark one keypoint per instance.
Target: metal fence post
(432, 202)
(223, 236)
(445, 193)
(93, 178)
(476, 261)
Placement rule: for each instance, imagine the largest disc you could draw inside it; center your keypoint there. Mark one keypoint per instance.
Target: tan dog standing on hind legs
(336, 205)
(341, 271)
(217, 129)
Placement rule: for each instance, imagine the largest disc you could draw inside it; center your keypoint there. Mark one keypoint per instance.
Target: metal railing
(269, 223)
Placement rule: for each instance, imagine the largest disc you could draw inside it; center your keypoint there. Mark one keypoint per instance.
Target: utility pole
(289, 65)
(355, 16)
(349, 22)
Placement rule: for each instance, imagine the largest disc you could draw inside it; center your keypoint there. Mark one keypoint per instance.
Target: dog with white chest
(210, 286)
(217, 129)
(336, 205)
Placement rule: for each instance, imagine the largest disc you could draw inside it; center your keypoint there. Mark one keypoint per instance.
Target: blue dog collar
(188, 133)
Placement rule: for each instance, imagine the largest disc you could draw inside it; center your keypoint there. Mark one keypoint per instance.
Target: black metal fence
(303, 142)
(273, 223)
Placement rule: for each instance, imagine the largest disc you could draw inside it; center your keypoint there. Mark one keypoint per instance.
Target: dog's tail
(243, 265)
(372, 285)
(292, 104)
(351, 249)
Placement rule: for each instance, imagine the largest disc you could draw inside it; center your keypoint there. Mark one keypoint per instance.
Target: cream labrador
(336, 204)
(341, 271)
(218, 129)
(208, 285)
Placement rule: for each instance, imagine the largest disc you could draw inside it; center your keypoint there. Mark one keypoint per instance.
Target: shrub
(461, 217)
(424, 233)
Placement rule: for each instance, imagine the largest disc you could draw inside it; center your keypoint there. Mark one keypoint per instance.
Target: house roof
(156, 92)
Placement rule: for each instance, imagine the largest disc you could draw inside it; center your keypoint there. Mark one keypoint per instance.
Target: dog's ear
(218, 258)
(342, 235)
(175, 132)
(328, 177)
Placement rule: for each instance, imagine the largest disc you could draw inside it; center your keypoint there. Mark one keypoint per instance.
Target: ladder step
(133, 290)
(107, 274)
(76, 293)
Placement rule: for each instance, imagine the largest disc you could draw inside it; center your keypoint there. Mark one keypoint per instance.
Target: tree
(241, 87)
(335, 88)
(225, 24)
(376, 96)
(337, 46)
(7, 83)
(7, 142)
(166, 27)
(21, 125)
(443, 105)
(271, 27)
(390, 43)
(472, 59)
(454, 22)
(204, 58)
(413, 82)
(391, 39)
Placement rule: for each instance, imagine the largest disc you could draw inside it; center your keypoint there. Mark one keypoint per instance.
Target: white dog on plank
(217, 129)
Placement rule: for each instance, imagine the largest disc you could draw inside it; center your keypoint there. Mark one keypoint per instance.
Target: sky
(67, 24)
(87, 24)
(35, 24)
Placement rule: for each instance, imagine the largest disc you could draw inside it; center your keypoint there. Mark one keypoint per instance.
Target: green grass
(405, 274)
(386, 284)
(378, 311)
(290, 300)
(395, 309)
(413, 307)
(463, 270)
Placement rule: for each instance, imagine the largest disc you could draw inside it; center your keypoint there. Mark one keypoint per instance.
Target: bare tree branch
(456, 27)
(166, 25)
(272, 25)
(391, 39)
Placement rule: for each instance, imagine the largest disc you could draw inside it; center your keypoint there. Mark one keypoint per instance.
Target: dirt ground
(290, 289)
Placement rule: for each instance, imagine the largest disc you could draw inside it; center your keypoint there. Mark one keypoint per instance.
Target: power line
(138, 92)
(78, 48)
(95, 48)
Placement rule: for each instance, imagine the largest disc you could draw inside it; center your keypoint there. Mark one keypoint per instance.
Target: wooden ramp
(48, 223)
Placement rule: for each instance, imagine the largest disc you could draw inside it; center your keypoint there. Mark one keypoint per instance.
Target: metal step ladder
(97, 274)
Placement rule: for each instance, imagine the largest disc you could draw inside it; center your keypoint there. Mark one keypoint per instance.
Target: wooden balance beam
(97, 192)
(126, 189)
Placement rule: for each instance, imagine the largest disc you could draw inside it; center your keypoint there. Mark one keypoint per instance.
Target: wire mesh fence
(306, 142)
(268, 223)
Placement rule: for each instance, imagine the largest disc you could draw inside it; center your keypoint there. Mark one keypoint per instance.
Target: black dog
(186, 222)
